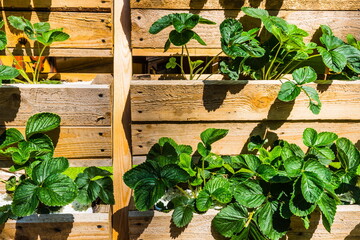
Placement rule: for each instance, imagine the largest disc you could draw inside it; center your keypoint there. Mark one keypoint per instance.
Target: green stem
(249, 219)
(182, 61)
(272, 62)
(21, 70)
(190, 65)
(182, 191)
(203, 169)
(208, 64)
(37, 67)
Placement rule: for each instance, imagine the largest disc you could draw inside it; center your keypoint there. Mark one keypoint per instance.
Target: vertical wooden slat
(121, 116)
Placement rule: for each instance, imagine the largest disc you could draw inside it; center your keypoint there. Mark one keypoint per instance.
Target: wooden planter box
(84, 137)
(152, 225)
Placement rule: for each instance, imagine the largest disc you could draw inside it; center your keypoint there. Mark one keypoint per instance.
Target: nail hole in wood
(100, 134)
(140, 92)
(140, 111)
(138, 17)
(140, 146)
(101, 95)
(57, 229)
(103, 40)
(102, 20)
(139, 130)
(99, 226)
(102, 150)
(141, 39)
(137, 0)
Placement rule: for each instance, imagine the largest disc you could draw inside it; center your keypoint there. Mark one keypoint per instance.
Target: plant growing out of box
(41, 186)
(43, 37)
(256, 194)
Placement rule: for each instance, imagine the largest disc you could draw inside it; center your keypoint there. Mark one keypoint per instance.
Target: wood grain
(85, 65)
(156, 226)
(77, 104)
(80, 142)
(210, 100)
(82, 226)
(269, 4)
(342, 23)
(59, 5)
(90, 33)
(121, 138)
(147, 134)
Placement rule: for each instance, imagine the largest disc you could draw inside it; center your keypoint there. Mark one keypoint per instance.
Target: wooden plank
(85, 65)
(153, 225)
(87, 31)
(342, 23)
(82, 226)
(145, 135)
(82, 162)
(72, 52)
(121, 137)
(59, 5)
(76, 103)
(273, 4)
(80, 142)
(226, 100)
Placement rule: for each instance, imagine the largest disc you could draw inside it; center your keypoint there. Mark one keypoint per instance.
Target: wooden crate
(153, 225)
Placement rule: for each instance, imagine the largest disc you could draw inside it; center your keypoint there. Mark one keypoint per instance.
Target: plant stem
(203, 169)
(182, 61)
(37, 67)
(189, 60)
(21, 70)
(249, 219)
(182, 191)
(272, 62)
(208, 64)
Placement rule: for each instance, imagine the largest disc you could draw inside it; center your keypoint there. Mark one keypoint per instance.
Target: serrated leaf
(251, 161)
(57, 190)
(136, 174)
(43, 144)
(249, 194)
(298, 205)
(315, 103)
(186, 164)
(304, 75)
(222, 195)
(325, 138)
(213, 161)
(327, 206)
(230, 219)
(17, 22)
(25, 199)
(334, 60)
(311, 187)
(161, 24)
(182, 215)
(180, 39)
(211, 135)
(49, 167)
(41, 122)
(352, 55)
(288, 91)
(106, 193)
(147, 192)
(203, 201)
(10, 137)
(172, 174)
(293, 166)
(6, 72)
(266, 172)
(255, 12)
(348, 154)
(309, 137)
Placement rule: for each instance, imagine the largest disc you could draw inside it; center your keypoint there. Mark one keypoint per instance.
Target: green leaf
(288, 91)
(352, 55)
(325, 154)
(211, 135)
(17, 22)
(327, 206)
(186, 164)
(25, 199)
(106, 193)
(42, 122)
(326, 30)
(213, 161)
(57, 190)
(200, 40)
(215, 183)
(222, 195)
(325, 138)
(42, 27)
(251, 161)
(315, 103)
(229, 28)
(172, 174)
(267, 172)
(164, 153)
(249, 194)
(206, 21)
(311, 187)
(10, 137)
(147, 192)
(5, 213)
(161, 24)
(180, 39)
(23, 153)
(171, 64)
(270, 222)
(304, 75)
(317, 168)
(184, 21)
(309, 137)
(202, 150)
(203, 201)
(182, 215)
(230, 219)
(298, 205)
(331, 42)
(255, 12)
(6, 72)
(142, 171)
(48, 167)
(43, 144)
(293, 166)
(348, 154)
(10, 184)
(256, 142)
(3, 40)
(334, 60)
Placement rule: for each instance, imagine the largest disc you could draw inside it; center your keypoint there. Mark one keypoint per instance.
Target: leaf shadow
(297, 230)
(354, 234)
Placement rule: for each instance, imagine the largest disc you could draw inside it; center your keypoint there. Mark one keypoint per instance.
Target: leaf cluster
(40, 33)
(257, 193)
(42, 184)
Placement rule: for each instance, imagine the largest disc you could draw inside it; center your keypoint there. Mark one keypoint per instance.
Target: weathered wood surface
(81, 226)
(85, 65)
(237, 4)
(157, 226)
(57, 5)
(77, 103)
(147, 134)
(209, 100)
(342, 23)
(90, 33)
(80, 142)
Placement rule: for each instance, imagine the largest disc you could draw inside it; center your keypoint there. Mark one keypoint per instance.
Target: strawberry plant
(257, 193)
(43, 37)
(39, 184)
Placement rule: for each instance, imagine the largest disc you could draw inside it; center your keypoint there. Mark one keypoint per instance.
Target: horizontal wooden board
(81, 226)
(90, 33)
(152, 225)
(77, 103)
(342, 23)
(147, 134)
(82, 162)
(85, 65)
(58, 5)
(273, 4)
(80, 142)
(210, 100)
